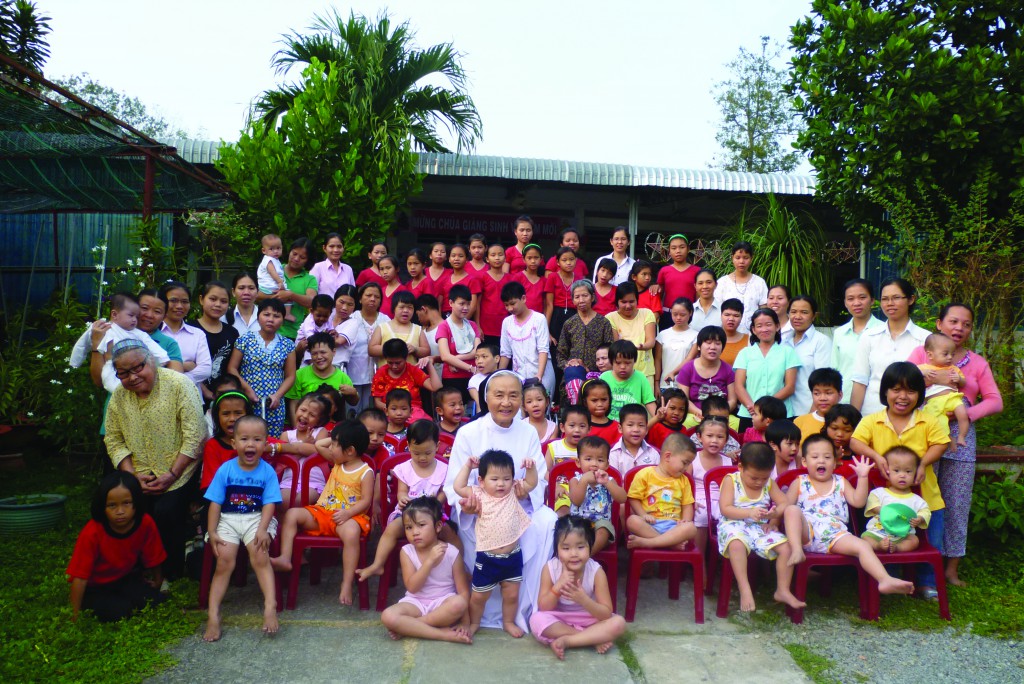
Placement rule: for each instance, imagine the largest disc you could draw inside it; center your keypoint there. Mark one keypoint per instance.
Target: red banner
(465, 224)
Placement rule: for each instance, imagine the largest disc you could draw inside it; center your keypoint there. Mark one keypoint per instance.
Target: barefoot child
(714, 433)
(104, 570)
(574, 605)
(661, 501)
(421, 475)
(501, 521)
(752, 506)
(436, 585)
(575, 424)
(895, 511)
(818, 514)
(242, 497)
(311, 412)
(343, 508)
(943, 398)
(593, 490)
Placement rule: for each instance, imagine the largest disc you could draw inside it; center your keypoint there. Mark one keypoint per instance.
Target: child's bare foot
(789, 599)
(895, 586)
(473, 629)
(747, 602)
(212, 629)
(369, 571)
(459, 635)
(513, 629)
(634, 541)
(394, 636)
(558, 646)
(954, 579)
(270, 624)
(961, 441)
(345, 597)
(281, 564)
(605, 647)
(796, 558)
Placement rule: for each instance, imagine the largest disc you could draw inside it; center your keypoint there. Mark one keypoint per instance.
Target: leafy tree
(23, 36)
(309, 175)
(385, 72)
(757, 115)
(122, 106)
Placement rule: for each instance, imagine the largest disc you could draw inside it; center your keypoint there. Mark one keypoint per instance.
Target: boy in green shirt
(627, 385)
(321, 372)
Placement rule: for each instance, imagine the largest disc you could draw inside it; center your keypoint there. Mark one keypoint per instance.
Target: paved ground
(321, 641)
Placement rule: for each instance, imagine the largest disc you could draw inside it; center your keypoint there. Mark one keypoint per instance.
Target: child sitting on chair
(895, 511)
(661, 500)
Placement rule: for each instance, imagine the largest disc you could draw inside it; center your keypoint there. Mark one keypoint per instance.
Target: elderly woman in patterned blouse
(155, 429)
(581, 335)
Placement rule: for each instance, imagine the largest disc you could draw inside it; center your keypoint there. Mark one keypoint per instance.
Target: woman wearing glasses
(882, 345)
(155, 430)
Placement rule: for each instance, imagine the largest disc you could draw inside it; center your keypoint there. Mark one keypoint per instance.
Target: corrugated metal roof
(585, 173)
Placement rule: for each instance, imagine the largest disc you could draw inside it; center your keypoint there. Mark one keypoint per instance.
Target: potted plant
(31, 514)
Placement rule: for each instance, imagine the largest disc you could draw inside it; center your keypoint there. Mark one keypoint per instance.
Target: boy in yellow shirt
(660, 499)
(826, 385)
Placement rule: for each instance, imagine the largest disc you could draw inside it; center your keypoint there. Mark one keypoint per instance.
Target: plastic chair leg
(675, 577)
(940, 587)
(632, 589)
(796, 615)
(724, 589)
(698, 592)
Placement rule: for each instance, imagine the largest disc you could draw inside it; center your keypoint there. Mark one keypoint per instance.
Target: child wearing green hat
(895, 511)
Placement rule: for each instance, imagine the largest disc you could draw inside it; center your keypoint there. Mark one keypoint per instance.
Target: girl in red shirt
(477, 253)
(459, 275)
(492, 312)
(372, 274)
(558, 304)
(648, 297)
(603, 288)
(419, 283)
(676, 279)
(437, 270)
(569, 238)
(388, 267)
(532, 280)
(514, 262)
(104, 570)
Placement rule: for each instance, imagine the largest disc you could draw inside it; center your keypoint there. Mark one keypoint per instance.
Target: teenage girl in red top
(419, 283)
(603, 288)
(492, 310)
(477, 254)
(648, 297)
(458, 257)
(514, 262)
(388, 267)
(532, 280)
(677, 278)
(569, 238)
(372, 274)
(437, 271)
(558, 304)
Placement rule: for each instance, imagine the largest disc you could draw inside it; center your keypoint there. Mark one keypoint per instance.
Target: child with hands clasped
(593, 490)
(818, 514)
(436, 586)
(752, 506)
(242, 498)
(661, 501)
(421, 475)
(895, 511)
(501, 521)
(574, 424)
(714, 433)
(574, 605)
(343, 508)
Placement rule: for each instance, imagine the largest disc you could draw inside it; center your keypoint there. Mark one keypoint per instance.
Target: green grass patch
(815, 665)
(40, 641)
(628, 655)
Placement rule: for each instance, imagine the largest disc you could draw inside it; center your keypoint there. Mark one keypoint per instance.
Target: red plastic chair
(394, 443)
(609, 556)
(318, 543)
(388, 493)
(924, 553)
(715, 477)
(735, 435)
(691, 556)
(282, 463)
(828, 560)
(444, 445)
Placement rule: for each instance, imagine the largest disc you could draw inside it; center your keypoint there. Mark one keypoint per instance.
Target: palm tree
(23, 35)
(384, 72)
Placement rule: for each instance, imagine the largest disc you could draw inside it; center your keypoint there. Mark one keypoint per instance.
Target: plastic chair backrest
(628, 480)
(715, 477)
(318, 461)
(445, 444)
(287, 463)
(735, 435)
(568, 469)
(787, 478)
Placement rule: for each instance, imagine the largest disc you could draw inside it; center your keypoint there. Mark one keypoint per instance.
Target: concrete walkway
(320, 641)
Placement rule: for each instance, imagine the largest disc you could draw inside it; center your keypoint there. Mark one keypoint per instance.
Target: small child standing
(784, 439)
(535, 409)
(270, 274)
(593, 490)
(242, 498)
(632, 450)
(574, 604)
(714, 432)
(942, 397)
(752, 506)
(661, 501)
(437, 588)
(118, 540)
(575, 424)
(397, 408)
(343, 509)
(818, 513)
(826, 385)
(762, 413)
(450, 409)
(627, 385)
(840, 422)
(895, 511)
(499, 525)
(604, 291)
(596, 397)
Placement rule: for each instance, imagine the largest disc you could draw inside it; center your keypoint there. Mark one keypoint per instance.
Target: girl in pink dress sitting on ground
(574, 606)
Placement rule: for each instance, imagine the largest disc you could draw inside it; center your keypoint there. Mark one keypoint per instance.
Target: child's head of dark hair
(422, 431)
(902, 374)
(493, 458)
(403, 297)
(275, 305)
(444, 392)
(622, 349)
(121, 300)
(573, 523)
(351, 434)
(594, 442)
(322, 301)
(637, 410)
(113, 480)
(591, 386)
(781, 430)
(225, 383)
(428, 301)
(460, 292)
(334, 398)
(250, 419)
(716, 404)
(317, 399)
(757, 456)
(678, 443)
(670, 393)
(640, 265)
(845, 411)
(623, 290)
(477, 237)
(493, 347)
(817, 438)
(902, 452)
(227, 399)
(372, 414)
(825, 377)
(425, 505)
(513, 290)
(397, 396)
(732, 304)
(320, 338)
(608, 265)
(573, 410)
(394, 349)
(771, 407)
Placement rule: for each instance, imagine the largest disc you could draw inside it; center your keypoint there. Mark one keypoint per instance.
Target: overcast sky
(623, 82)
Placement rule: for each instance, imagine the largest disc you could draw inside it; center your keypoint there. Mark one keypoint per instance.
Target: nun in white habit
(501, 429)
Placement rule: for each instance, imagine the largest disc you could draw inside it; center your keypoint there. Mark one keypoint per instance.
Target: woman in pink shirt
(956, 468)
(331, 273)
